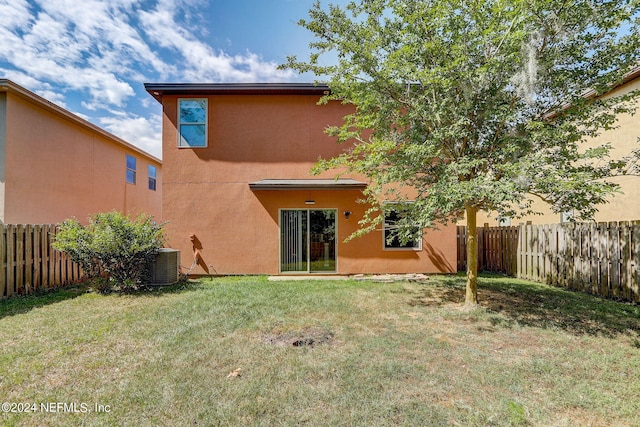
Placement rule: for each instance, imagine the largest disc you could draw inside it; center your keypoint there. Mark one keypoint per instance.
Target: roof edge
(158, 90)
(307, 184)
(9, 86)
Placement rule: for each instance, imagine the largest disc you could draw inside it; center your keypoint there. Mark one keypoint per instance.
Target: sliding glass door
(307, 240)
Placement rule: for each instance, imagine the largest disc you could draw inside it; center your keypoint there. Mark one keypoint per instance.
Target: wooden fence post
(635, 262)
(28, 259)
(11, 260)
(37, 262)
(3, 261)
(20, 288)
(614, 254)
(603, 262)
(594, 255)
(625, 260)
(44, 254)
(601, 259)
(520, 264)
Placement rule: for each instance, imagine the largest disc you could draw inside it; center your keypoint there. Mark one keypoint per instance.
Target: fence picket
(37, 263)
(635, 261)
(44, 244)
(28, 259)
(614, 260)
(3, 262)
(11, 259)
(625, 260)
(594, 253)
(601, 259)
(28, 263)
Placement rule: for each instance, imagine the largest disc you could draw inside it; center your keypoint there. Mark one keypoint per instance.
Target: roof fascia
(158, 90)
(14, 88)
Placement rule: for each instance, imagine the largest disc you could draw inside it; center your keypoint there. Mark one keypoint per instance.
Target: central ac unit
(164, 269)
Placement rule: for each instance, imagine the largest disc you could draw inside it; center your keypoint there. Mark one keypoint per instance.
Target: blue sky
(93, 56)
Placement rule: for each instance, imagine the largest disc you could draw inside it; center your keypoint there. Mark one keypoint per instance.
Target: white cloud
(14, 13)
(95, 55)
(201, 61)
(34, 85)
(54, 47)
(139, 131)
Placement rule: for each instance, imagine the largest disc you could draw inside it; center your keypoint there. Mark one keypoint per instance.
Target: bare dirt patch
(304, 337)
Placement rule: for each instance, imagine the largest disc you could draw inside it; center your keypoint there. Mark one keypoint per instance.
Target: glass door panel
(293, 241)
(307, 240)
(322, 238)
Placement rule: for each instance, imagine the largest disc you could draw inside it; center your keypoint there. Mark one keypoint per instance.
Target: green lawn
(322, 353)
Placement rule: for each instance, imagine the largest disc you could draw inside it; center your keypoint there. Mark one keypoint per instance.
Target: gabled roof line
(7, 85)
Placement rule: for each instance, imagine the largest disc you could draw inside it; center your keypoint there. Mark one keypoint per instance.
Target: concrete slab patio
(412, 277)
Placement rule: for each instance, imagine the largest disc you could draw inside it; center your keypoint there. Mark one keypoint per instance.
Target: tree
(475, 105)
(113, 245)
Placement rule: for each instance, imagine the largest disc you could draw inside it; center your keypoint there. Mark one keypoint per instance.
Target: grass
(245, 351)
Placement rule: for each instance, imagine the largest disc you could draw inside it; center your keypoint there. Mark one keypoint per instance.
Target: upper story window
(394, 229)
(131, 169)
(192, 122)
(152, 177)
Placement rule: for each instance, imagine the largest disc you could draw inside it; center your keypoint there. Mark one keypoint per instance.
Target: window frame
(567, 216)
(204, 123)
(152, 179)
(133, 170)
(385, 245)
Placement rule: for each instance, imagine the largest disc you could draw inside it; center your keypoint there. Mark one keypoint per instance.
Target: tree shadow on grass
(537, 305)
(24, 303)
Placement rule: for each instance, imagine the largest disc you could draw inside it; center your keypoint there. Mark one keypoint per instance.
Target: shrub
(112, 247)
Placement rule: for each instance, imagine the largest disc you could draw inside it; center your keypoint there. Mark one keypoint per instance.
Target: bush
(112, 247)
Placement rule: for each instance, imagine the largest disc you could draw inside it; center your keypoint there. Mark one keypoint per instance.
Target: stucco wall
(3, 144)
(623, 206)
(56, 169)
(252, 137)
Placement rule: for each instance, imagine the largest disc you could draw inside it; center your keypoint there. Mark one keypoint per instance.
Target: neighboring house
(624, 139)
(55, 165)
(238, 193)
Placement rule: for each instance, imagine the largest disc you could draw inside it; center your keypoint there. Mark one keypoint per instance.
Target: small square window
(566, 216)
(152, 177)
(394, 229)
(131, 169)
(504, 221)
(192, 123)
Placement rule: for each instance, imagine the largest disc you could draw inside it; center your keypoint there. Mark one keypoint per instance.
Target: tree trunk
(471, 297)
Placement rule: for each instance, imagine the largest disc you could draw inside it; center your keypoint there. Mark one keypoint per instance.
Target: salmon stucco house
(238, 194)
(55, 165)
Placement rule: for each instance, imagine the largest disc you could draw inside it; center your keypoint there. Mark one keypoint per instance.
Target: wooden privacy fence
(602, 259)
(28, 263)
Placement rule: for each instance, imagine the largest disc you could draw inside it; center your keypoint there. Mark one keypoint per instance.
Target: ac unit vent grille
(164, 270)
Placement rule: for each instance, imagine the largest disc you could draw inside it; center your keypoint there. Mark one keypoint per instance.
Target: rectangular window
(566, 216)
(131, 169)
(152, 177)
(398, 234)
(192, 123)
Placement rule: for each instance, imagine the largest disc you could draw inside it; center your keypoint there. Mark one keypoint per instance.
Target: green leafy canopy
(112, 245)
(476, 104)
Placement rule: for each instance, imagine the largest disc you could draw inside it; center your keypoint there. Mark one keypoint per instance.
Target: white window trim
(384, 238)
(566, 216)
(206, 123)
